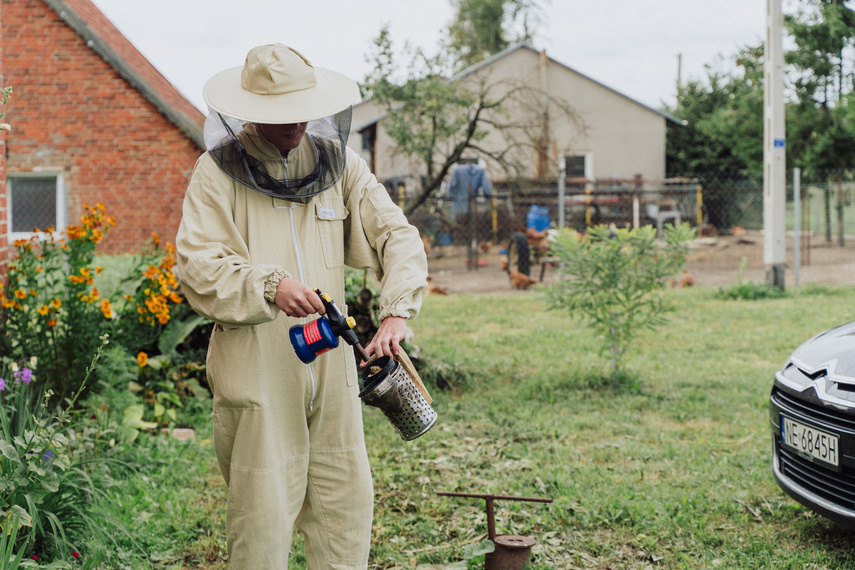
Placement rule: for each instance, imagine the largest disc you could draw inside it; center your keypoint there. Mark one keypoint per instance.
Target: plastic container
(537, 218)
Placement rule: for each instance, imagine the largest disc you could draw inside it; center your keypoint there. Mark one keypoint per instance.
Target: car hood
(832, 350)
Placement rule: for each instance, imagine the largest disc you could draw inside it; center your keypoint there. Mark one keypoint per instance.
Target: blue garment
(467, 181)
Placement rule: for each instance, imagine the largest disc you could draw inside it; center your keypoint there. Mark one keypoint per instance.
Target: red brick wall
(71, 112)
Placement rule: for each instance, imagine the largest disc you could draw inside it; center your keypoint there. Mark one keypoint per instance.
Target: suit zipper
(302, 280)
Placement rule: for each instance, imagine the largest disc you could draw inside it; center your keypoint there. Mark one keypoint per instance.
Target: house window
(36, 200)
(575, 166)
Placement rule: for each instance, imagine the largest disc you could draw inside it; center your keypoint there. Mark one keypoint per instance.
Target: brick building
(92, 121)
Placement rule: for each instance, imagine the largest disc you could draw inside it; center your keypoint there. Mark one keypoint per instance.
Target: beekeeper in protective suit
(275, 208)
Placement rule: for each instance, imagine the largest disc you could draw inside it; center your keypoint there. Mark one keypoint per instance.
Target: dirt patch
(714, 261)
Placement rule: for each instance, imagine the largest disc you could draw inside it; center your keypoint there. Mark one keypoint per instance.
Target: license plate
(811, 441)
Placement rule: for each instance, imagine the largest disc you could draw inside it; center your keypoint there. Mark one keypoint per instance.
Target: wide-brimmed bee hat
(277, 85)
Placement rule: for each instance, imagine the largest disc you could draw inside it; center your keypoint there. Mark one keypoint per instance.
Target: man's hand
(296, 299)
(387, 341)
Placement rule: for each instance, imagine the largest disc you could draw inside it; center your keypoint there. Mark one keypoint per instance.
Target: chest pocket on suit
(330, 215)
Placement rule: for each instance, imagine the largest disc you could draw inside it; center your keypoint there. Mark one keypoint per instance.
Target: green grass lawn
(669, 469)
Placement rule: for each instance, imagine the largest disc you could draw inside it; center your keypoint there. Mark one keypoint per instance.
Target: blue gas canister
(537, 218)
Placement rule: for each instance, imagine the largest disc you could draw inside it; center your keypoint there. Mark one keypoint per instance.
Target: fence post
(562, 172)
(840, 230)
(827, 212)
(699, 193)
(797, 227)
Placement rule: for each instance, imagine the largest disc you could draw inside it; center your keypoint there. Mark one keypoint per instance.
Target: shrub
(51, 308)
(49, 494)
(614, 280)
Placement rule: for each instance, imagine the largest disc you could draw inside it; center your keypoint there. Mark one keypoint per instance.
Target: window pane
(575, 166)
(33, 203)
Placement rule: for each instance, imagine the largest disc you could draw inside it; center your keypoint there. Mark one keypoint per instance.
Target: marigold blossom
(142, 359)
(106, 309)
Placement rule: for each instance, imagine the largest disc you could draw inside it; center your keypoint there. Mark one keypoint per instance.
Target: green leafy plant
(10, 553)
(749, 290)
(614, 280)
(6, 94)
(51, 307)
(40, 472)
(474, 555)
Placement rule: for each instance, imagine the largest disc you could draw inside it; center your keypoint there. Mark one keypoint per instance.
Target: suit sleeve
(214, 263)
(378, 236)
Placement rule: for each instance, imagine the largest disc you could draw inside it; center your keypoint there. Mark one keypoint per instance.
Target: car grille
(837, 488)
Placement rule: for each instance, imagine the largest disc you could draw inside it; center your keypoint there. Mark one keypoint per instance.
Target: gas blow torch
(322, 334)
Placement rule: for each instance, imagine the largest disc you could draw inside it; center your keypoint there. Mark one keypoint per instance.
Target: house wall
(389, 163)
(620, 137)
(73, 114)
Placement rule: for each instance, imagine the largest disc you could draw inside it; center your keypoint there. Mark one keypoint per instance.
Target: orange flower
(43, 310)
(106, 309)
(51, 323)
(56, 303)
(142, 358)
(20, 293)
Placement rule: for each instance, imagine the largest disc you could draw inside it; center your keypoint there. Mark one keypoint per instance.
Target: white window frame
(61, 214)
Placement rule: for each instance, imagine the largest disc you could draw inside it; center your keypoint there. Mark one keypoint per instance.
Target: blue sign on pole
(778, 143)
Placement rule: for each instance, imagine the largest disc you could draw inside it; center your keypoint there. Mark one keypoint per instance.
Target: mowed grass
(669, 468)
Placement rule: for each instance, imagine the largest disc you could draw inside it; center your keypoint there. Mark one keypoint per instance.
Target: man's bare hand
(387, 341)
(296, 299)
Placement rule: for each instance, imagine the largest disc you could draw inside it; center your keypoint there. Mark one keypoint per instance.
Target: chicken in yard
(521, 280)
(435, 289)
(685, 281)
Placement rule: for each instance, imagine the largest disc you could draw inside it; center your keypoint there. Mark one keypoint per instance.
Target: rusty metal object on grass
(512, 551)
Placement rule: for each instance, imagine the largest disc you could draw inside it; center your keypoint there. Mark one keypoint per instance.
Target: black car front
(812, 416)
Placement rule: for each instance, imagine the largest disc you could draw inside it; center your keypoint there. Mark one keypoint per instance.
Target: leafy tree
(483, 27)
(436, 120)
(723, 116)
(820, 66)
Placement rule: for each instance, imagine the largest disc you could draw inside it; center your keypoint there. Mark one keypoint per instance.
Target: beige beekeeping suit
(288, 436)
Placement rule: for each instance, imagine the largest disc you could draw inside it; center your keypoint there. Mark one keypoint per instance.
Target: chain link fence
(720, 205)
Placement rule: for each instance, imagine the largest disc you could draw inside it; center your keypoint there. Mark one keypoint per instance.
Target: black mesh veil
(316, 165)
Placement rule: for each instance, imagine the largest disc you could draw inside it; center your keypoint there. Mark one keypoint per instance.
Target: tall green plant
(614, 280)
(50, 494)
(51, 308)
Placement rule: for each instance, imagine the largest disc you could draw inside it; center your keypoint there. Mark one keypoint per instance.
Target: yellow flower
(56, 303)
(106, 309)
(43, 310)
(20, 293)
(142, 358)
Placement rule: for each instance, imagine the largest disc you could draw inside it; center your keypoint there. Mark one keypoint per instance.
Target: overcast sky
(631, 46)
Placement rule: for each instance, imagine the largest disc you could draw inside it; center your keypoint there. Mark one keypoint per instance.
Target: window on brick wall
(36, 200)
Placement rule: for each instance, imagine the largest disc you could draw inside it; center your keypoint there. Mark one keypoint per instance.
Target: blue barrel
(537, 218)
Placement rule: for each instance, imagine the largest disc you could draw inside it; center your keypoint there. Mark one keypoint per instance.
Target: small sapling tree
(614, 280)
